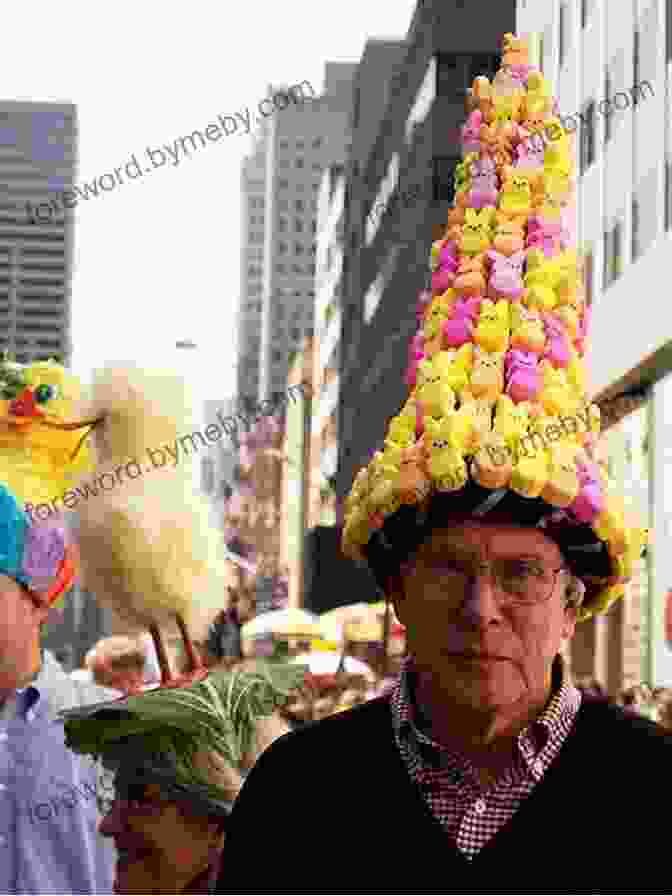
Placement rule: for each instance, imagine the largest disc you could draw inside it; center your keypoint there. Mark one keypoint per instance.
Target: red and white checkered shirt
(470, 813)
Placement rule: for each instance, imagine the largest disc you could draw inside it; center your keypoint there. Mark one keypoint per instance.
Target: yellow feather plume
(148, 547)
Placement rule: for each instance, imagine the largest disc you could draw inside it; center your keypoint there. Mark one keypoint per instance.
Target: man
(48, 808)
(484, 770)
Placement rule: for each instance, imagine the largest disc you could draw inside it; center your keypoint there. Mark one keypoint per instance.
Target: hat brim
(586, 555)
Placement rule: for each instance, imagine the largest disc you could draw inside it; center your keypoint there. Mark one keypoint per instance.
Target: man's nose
(480, 604)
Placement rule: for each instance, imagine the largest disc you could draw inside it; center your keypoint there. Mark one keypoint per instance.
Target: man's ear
(569, 623)
(396, 595)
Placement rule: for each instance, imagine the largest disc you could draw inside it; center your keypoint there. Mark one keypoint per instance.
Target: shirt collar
(412, 725)
(48, 683)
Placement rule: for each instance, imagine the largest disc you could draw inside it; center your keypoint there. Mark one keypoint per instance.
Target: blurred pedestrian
(119, 663)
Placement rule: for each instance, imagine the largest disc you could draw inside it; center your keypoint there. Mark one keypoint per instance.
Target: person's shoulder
(355, 730)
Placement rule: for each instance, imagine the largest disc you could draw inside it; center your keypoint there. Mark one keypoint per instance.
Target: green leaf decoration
(218, 714)
(12, 377)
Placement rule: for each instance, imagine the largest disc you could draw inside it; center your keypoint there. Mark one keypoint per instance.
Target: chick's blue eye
(45, 393)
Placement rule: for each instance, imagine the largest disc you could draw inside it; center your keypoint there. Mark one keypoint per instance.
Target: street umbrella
(354, 621)
(289, 623)
(328, 664)
(334, 621)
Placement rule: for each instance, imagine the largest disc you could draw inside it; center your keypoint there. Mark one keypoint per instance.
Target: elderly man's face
(479, 646)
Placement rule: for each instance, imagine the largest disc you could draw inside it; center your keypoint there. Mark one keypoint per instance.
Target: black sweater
(332, 809)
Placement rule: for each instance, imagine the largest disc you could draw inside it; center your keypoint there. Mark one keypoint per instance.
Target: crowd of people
(128, 664)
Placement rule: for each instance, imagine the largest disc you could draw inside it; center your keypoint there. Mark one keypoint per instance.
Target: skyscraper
(37, 161)
(253, 185)
(277, 301)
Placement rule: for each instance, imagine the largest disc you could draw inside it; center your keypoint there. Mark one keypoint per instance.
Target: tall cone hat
(498, 414)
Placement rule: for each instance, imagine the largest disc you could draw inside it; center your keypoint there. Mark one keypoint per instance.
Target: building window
(298, 225)
(207, 475)
(317, 166)
(635, 229)
(277, 356)
(280, 268)
(316, 187)
(588, 136)
(356, 102)
(282, 225)
(312, 270)
(455, 72)
(562, 34)
(296, 334)
(645, 215)
(299, 163)
(284, 144)
(299, 144)
(443, 183)
(283, 163)
(254, 271)
(297, 269)
(585, 12)
(613, 254)
(299, 205)
(256, 238)
(313, 204)
(313, 226)
(283, 205)
(283, 184)
(282, 248)
(298, 249)
(607, 100)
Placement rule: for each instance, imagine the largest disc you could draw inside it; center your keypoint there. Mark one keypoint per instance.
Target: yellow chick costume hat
(43, 450)
(498, 414)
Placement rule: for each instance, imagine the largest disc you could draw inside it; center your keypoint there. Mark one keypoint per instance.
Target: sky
(157, 259)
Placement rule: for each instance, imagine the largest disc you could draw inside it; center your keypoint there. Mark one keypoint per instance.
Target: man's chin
(479, 682)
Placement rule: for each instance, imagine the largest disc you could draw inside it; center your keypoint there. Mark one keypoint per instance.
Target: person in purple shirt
(49, 840)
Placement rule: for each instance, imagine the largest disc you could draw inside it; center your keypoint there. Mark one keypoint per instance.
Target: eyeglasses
(515, 581)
